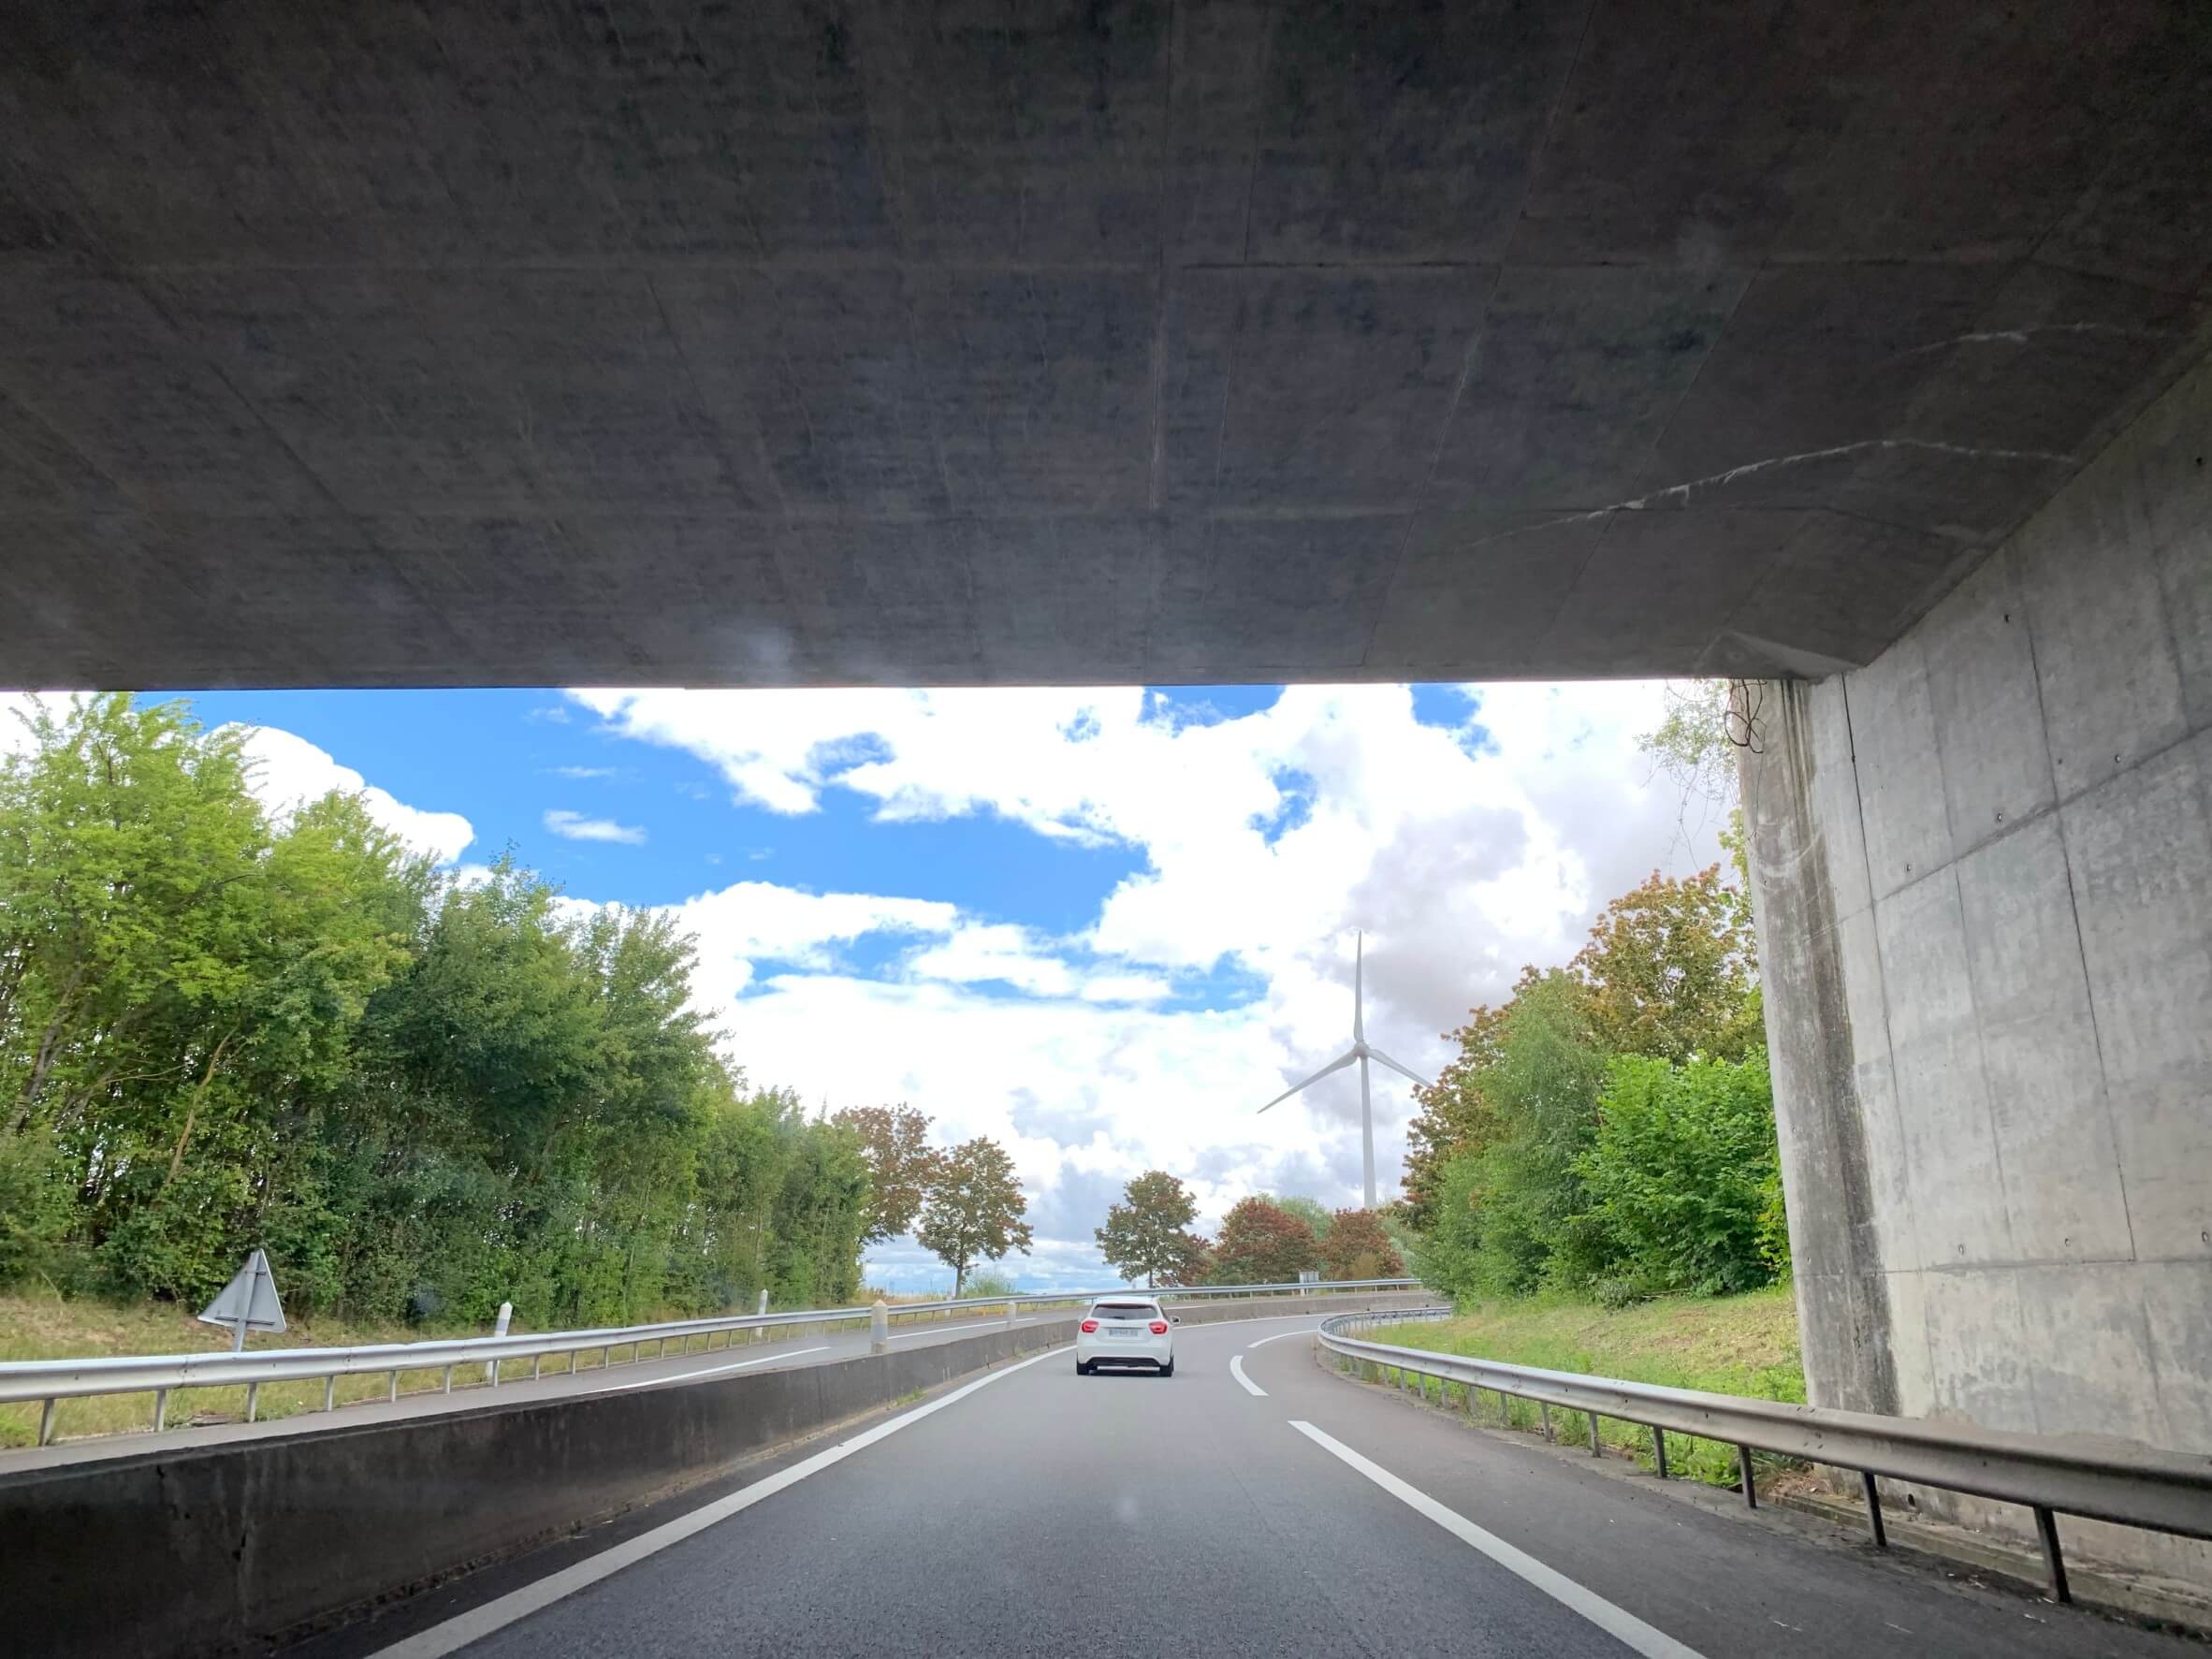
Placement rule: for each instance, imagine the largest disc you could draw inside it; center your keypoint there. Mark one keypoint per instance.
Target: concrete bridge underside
(784, 343)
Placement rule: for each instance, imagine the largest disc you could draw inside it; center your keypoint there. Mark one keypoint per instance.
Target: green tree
(901, 1162)
(219, 1029)
(1262, 1244)
(1145, 1234)
(1520, 1183)
(975, 1208)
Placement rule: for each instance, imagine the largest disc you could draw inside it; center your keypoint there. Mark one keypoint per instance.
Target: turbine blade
(1358, 963)
(1376, 1053)
(1336, 1065)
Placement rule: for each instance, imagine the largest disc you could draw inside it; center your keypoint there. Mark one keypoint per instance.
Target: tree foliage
(1677, 1179)
(1517, 1173)
(1315, 1214)
(1358, 1247)
(1671, 970)
(902, 1164)
(219, 1030)
(1147, 1232)
(974, 1209)
(1262, 1244)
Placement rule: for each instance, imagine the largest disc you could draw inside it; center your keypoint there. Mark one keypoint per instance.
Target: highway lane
(1034, 1511)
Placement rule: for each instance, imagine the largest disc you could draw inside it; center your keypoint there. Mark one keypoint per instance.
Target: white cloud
(584, 772)
(755, 922)
(1267, 840)
(574, 826)
(288, 772)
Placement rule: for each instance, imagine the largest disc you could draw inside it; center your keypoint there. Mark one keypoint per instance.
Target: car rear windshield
(1125, 1310)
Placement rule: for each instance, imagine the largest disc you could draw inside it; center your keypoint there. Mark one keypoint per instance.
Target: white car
(1125, 1331)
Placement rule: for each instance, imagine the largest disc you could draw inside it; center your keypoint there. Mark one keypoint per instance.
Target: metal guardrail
(2165, 1492)
(50, 1381)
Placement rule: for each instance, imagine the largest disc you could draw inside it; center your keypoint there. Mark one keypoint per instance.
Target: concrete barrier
(232, 1548)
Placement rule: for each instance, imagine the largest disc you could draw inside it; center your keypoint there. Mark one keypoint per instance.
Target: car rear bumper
(1154, 1351)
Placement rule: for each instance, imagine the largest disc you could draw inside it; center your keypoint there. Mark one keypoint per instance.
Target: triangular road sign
(250, 1298)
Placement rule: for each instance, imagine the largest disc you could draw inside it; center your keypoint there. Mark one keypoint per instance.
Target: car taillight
(1159, 1328)
(1089, 1326)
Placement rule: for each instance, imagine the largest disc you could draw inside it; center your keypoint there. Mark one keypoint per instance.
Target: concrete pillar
(1982, 865)
(1836, 1248)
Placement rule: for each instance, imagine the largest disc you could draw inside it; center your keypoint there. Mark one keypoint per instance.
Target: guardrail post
(449, 1379)
(1659, 1449)
(392, 1395)
(161, 1409)
(1544, 1408)
(330, 1393)
(2046, 1528)
(46, 1424)
(253, 1401)
(1743, 1468)
(537, 1366)
(498, 1328)
(878, 1328)
(1596, 1451)
(1875, 1530)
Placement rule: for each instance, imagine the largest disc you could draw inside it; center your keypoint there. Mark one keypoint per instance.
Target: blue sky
(1100, 926)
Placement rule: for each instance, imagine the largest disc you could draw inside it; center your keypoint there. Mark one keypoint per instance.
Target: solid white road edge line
(943, 1330)
(1623, 1626)
(646, 1382)
(1277, 1337)
(1236, 1368)
(477, 1622)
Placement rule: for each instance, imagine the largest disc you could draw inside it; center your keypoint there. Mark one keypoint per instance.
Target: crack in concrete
(2026, 336)
(1681, 493)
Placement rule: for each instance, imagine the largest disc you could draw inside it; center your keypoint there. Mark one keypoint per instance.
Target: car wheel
(1081, 1369)
(1169, 1369)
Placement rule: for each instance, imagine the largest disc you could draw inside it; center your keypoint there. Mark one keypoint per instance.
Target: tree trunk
(192, 1112)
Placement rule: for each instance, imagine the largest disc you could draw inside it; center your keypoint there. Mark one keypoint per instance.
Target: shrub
(1681, 1175)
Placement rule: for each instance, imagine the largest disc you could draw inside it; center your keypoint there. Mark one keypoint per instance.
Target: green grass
(1726, 1345)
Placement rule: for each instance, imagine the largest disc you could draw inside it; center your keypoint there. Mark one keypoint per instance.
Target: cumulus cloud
(288, 772)
(574, 826)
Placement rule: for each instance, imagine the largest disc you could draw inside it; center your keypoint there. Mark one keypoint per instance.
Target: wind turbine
(1361, 1051)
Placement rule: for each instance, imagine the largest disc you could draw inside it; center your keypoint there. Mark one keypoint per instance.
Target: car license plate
(1124, 1333)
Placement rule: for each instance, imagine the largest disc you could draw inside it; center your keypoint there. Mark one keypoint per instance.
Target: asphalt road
(1282, 1511)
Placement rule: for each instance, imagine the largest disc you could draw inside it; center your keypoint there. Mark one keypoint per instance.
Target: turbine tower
(1361, 1051)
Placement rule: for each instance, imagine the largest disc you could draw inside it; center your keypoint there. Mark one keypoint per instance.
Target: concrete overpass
(1857, 346)
(421, 343)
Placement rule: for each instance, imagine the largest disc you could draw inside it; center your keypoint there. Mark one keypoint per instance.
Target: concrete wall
(228, 1547)
(1983, 870)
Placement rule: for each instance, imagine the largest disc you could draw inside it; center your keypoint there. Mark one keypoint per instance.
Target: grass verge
(1725, 1345)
